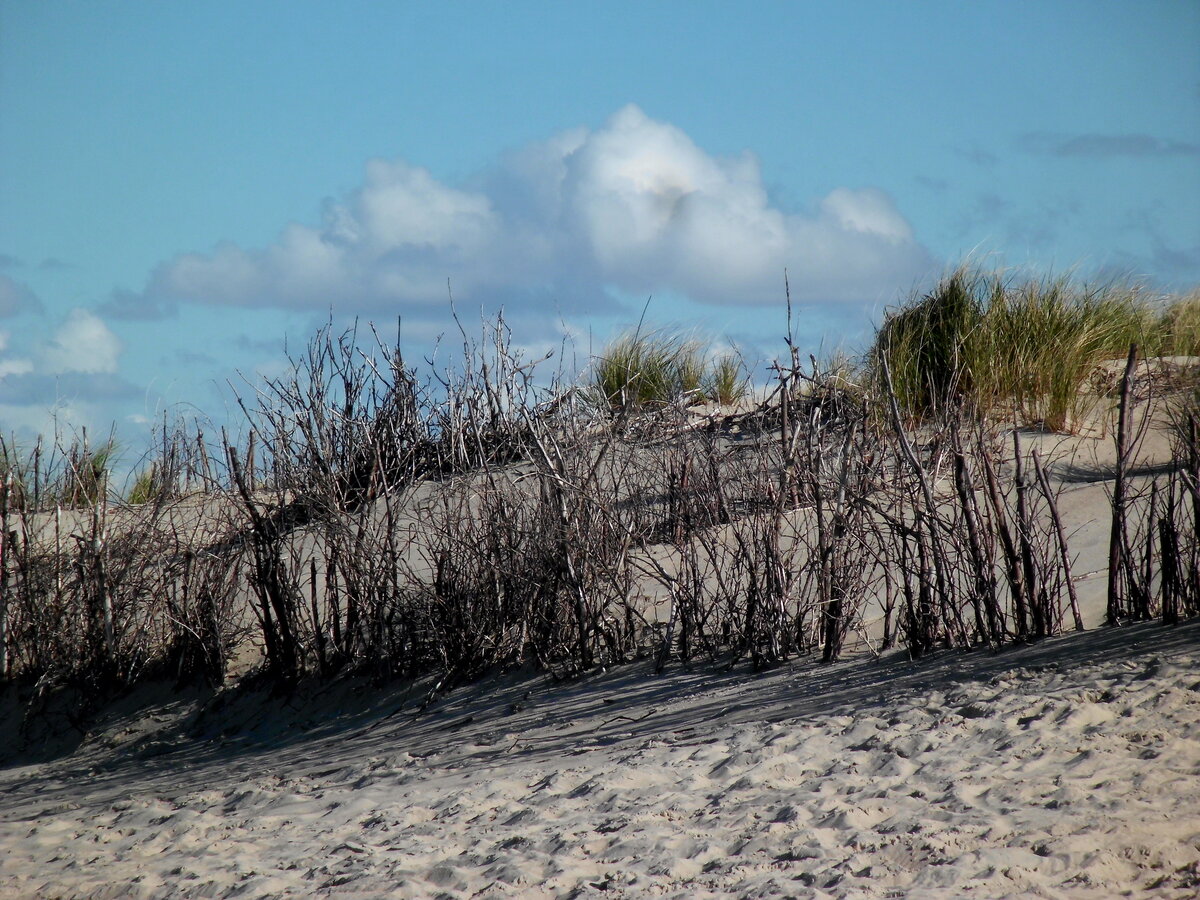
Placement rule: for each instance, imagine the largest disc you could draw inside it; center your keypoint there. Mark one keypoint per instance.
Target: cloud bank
(634, 205)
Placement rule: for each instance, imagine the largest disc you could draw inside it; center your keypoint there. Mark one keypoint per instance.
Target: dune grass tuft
(1019, 349)
(659, 368)
(147, 486)
(1180, 326)
(85, 475)
(727, 380)
(926, 344)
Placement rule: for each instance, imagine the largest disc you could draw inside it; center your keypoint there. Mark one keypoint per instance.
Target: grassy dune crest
(1018, 349)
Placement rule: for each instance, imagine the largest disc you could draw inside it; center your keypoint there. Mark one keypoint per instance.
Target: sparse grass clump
(928, 345)
(147, 486)
(1010, 349)
(727, 380)
(1041, 341)
(640, 370)
(1180, 326)
(85, 474)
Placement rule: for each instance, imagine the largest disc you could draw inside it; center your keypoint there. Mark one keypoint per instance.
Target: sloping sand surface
(1070, 768)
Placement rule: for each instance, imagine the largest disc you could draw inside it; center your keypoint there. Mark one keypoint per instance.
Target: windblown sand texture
(1067, 769)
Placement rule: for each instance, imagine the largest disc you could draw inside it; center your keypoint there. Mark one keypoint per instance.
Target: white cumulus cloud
(635, 204)
(82, 344)
(63, 382)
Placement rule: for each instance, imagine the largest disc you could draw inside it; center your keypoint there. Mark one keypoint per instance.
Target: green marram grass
(727, 379)
(1180, 325)
(658, 368)
(1009, 348)
(925, 345)
(147, 486)
(84, 480)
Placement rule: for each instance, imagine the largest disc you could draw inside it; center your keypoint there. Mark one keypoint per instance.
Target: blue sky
(185, 185)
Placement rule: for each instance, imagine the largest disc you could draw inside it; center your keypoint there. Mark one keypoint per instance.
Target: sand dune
(1070, 768)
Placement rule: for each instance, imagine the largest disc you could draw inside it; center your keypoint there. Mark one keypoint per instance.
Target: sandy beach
(1066, 769)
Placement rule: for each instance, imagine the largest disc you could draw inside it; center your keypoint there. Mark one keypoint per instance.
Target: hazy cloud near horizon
(65, 379)
(83, 352)
(33, 388)
(1102, 146)
(634, 205)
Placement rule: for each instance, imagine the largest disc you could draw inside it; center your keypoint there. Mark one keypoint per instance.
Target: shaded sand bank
(1069, 768)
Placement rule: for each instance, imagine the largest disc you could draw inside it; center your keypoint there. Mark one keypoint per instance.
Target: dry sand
(1069, 768)
(1066, 769)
